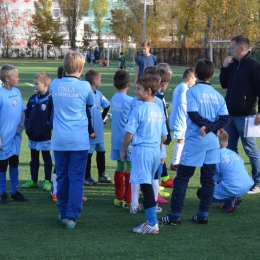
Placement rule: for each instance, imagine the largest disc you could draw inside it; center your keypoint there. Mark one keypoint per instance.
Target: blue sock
(203, 214)
(176, 214)
(150, 214)
(13, 172)
(160, 170)
(2, 182)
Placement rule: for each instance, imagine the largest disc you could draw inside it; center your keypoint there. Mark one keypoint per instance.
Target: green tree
(73, 11)
(100, 10)
(46, 28)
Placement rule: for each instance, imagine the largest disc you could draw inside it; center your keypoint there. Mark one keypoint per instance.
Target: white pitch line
(31, 85)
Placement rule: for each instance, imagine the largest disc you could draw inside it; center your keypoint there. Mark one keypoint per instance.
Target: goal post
(214, 42)
(45, 51)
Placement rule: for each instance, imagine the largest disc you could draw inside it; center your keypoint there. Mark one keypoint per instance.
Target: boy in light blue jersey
(70, 141)
(97, 136)
(231, 177)
(207, 114)
(11, 126)
(179, 115)
(120, 104)
(146, 131)
(135, 206)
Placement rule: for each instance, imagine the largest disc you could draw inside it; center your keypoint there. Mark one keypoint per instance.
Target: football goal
(218, 44)
(51, 48)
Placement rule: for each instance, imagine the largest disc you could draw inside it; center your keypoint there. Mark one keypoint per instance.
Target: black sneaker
(199, 220)
(170, 220)
(18, 196)
(3, 198)
(255, 189)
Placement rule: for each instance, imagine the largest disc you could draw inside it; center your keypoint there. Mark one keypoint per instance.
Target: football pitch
(31, 230)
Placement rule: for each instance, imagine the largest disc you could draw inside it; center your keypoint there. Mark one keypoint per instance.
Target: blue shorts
(97, 148)
(115, 155)
(40, 146)
(145, 162)
(197, 159)
(180, 135)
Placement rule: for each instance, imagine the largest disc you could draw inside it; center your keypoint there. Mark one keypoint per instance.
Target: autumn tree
(73, 11)
(100, 10)
(46, 28)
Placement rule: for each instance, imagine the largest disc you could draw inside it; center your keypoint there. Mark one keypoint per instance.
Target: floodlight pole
(144, 22)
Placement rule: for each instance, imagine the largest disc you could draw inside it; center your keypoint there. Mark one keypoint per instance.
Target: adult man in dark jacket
(240, 75)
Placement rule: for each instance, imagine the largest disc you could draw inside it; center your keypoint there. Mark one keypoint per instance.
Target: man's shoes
(255, 189)
(30, 184)
(168, 183)
(105, 179)
(174, 167)
(17, 196)
(47, 185)
(160, 200)
(90, 182)
(3, 198)
(134, 210)
(170, 220)
(62, 220)
(118, 203)
(145, 228)
(199, 219)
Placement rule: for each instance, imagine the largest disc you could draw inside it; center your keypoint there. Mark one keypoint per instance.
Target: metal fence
(173, 56)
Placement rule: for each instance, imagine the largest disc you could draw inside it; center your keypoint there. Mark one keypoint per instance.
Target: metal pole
(144, 22)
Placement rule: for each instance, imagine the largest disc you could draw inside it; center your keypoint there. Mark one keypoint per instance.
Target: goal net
(219, 49)
(49, 49)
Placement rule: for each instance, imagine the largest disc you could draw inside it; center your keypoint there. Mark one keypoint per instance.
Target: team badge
(43, 106)
(14, 103)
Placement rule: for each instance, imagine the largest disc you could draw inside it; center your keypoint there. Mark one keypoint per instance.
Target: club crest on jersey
(14, 103)
(43, 106)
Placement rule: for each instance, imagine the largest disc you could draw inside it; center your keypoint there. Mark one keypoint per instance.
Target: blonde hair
(43, 77)
(223, 139)
(6, 71)
(165, 66)
(73, 60)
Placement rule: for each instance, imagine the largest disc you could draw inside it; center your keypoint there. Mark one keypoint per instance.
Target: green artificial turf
(31, 230)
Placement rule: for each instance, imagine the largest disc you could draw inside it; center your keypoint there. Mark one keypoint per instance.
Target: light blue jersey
(178, 115)
(120, 105)
(210, 104)
(70, 123)
(135, 102)
(232, 176)
(147, 124)
(97, 122)
(11, 108)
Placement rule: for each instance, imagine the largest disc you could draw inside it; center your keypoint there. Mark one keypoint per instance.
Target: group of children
(139, 133)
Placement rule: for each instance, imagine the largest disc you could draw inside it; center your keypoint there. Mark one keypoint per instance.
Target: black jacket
(36, 124)
(242, 81)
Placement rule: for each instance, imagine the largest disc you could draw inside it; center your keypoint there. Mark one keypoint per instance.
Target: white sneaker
(255, 189)
(134, 210)
(158, 209)
(145, 228)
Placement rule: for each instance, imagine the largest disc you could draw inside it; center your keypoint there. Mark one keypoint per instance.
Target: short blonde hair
(223, 139)
(72, 61)
(165, 66)
(43, 77)
(6, 70)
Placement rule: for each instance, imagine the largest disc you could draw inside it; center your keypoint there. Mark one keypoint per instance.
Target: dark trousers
(35, 164)
(184, 173)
